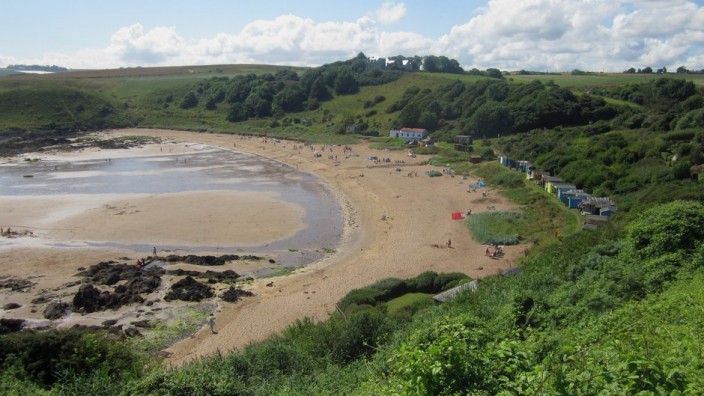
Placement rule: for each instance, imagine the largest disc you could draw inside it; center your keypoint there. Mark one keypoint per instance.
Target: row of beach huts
(596, 209)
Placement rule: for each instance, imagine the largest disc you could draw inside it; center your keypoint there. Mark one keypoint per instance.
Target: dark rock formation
(55, 310)
(109, 323)
(10, 325)
(209, 260)
(133, 332)
(188, 289)
(10, 306)
(222, 276)
(137, 281)
(233, 294)
(146, 323)
(16, 285)
(87, 298)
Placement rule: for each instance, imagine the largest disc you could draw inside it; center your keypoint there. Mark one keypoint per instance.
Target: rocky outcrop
(223, 276)
(233, 294)
(137, 281)
(189, 289)
(209, 260)
(16, 285)
(10, 325)
(55, 310)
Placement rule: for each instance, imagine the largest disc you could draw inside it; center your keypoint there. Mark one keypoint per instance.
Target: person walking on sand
(154, 251)
(211, 323)
(449, 243)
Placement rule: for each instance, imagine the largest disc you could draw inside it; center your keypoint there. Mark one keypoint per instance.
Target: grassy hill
(611, 311)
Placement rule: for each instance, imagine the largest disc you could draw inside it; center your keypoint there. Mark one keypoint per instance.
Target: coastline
(395, 225)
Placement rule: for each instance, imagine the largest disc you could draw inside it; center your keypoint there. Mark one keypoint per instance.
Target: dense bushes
(47, 355)
(387, 289)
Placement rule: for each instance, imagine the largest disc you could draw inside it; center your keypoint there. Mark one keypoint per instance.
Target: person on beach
(154, 251)
(211, 323)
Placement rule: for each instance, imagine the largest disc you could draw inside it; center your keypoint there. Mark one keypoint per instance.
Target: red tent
(456, 215)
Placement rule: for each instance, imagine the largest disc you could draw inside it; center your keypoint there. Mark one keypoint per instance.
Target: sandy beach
(396, 225)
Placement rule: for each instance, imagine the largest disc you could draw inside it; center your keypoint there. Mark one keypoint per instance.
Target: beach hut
(558, 188)
(594, 205)
(548, 180)
(573, 198)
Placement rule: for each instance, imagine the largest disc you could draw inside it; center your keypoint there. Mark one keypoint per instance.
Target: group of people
(498, 251)
(142, 261)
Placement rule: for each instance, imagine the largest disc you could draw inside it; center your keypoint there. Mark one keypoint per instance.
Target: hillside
(616, 310)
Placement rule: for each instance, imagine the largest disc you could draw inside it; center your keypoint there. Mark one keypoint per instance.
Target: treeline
(266, 95)
(489, 108)
(45, 68)
(662, 70)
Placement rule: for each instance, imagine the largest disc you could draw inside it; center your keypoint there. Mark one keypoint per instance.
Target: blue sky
(547, 35)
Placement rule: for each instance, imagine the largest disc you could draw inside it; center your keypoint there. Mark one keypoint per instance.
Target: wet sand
(396, 225)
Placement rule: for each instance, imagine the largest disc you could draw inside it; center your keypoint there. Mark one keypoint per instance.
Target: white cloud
(554, 35)
(390, 12)
(589, 34)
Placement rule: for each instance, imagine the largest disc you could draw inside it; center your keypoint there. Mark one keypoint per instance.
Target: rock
(10, 325)
(109, 322)
(133, 332)
(10, 306)
(146, 324)
(233, 294)
(43, 299)
(209, 260)
(188, 289)
(71, 284)
(16, 285)
(137, 281)
(55, 310)
(87, 298)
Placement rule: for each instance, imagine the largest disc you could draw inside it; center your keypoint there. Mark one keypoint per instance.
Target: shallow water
(213, 169)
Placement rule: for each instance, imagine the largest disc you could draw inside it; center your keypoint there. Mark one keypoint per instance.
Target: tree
(491, 119)
(257, 106)
(494, 73)
(291, 98)
(346, 84)
(237, 113)
(319, 90)
(189, 101)
(682, 70)
(630, 71)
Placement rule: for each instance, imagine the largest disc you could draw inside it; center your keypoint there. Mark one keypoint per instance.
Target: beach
(397, 222)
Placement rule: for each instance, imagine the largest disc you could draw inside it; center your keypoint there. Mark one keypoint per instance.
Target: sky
(536, 35)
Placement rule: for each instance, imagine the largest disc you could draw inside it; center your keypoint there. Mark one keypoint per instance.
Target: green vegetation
(503, 228)
(611, 311)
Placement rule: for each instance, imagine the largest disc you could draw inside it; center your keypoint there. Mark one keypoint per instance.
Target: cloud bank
(542, 35)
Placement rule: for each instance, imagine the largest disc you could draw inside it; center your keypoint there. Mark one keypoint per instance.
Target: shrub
(363, 296)
(46, 355)
(360, 334)
(390, 288)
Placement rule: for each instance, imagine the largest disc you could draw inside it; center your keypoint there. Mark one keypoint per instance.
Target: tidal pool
(208, 169)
